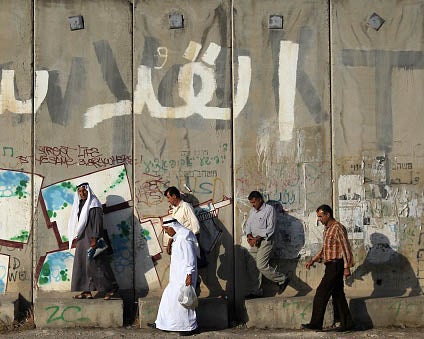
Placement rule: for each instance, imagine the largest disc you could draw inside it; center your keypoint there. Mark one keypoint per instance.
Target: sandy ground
(132, 332)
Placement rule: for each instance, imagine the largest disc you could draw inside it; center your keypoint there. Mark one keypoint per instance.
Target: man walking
(260, 229)
(336, 254)
(172, 316)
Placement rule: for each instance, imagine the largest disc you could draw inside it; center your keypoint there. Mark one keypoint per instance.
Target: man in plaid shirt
(336, 254)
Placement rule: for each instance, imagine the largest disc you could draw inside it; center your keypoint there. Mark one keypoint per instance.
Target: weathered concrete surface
(287, 313)
(59, 309)
(231, 333)
(290, 313)
(89, 69)
(16, 99)
(282, 135)
(325, 110)
(182, 117)
(378, 150)
(8, 307)
(212, 313)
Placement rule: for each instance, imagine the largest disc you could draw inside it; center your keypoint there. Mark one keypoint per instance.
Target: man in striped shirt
(337, 257)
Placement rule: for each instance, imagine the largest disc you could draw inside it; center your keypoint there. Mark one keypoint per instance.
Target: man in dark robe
(91, 270)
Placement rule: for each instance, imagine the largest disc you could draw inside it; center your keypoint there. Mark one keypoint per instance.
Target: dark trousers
(331, 285)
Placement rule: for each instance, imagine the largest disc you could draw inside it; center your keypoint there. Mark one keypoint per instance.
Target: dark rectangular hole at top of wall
(176, 21)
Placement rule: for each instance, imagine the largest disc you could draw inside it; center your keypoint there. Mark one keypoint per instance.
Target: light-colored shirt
(261, 222)
(184, 213)
(335, 245)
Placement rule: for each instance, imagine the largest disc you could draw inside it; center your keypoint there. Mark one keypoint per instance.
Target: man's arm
(248, 231)
(271, 221)
(247, 226)
(191, 216)
(346, 250)
(169, 246)
(316, 258)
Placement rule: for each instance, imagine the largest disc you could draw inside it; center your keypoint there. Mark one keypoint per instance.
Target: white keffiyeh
(77, 225)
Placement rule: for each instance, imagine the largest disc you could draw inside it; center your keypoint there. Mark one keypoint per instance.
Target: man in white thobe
(183, 271)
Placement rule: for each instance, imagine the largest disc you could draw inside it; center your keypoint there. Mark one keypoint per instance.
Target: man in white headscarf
(90, 272)
(183, 271)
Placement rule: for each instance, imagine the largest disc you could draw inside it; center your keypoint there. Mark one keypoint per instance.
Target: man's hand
(309, 264)
(252, 240)
(346, 272)
(93, 242)
(188, 280)
(169, 246)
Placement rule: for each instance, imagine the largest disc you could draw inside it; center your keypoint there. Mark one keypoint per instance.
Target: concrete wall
(324, 110)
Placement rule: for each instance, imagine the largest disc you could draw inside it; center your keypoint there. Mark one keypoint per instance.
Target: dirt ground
(133, 332)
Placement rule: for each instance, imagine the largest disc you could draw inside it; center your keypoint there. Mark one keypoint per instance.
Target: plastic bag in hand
(100, 243)
(90, 253)
(188, 297)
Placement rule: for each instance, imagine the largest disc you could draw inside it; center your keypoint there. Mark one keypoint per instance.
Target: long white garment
(171, 315)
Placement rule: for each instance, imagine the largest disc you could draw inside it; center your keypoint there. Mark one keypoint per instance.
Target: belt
(332, 261)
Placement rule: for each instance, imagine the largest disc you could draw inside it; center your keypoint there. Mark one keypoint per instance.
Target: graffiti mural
(124, 260)
(4, 272)
(54, 271)
(15, 206)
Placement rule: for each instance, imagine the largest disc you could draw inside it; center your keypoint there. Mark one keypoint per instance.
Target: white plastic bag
(188, 297)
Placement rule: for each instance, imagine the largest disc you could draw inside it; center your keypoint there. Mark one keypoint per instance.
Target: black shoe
(344, 329)
(151, 325)
(311, 327)
(188, 333)
(282, 286)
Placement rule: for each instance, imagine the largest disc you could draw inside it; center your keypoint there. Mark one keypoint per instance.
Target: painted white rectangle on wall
(146, 244)
(125, 259)
(147, 235)
(15, 204)
(4, 272)
(56, 271)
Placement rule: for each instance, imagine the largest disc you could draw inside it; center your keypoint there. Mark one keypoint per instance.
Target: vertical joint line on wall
(232, 147)
(330, 85)
(32, 232)
(135, 215)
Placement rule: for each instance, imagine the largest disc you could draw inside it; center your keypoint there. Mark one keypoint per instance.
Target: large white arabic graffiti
(197, 103)
(201, 68)
(287, 70)
(194, 102)
(8, 100)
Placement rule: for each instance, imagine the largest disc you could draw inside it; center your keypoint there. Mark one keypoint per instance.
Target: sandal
(110, 295)
(83, 295)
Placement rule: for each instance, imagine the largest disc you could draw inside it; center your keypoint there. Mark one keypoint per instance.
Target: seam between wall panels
(330, 84)
(33, 233)
(233, 179)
